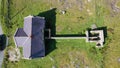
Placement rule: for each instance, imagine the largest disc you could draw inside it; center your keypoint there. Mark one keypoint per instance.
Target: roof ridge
(26, 40)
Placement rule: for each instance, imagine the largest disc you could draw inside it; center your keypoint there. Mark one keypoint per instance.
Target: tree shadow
(3, 40)
(50, 18)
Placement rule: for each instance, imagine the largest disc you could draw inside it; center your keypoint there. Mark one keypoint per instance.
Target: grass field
(80, 15)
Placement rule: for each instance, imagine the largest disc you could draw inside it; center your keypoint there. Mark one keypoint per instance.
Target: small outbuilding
(95, 36)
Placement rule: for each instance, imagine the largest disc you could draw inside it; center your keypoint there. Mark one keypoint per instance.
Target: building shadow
(50, 18)
(71, 35)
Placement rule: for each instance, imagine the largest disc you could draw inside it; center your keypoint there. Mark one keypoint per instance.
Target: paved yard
(1, 57)
(1, 52)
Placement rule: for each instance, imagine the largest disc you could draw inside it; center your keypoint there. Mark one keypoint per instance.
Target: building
(31, 37)
(96, 36)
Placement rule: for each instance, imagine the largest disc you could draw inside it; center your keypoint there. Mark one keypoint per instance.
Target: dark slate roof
(37, 44)
(37, 37)
(33, 46)
(20, 32)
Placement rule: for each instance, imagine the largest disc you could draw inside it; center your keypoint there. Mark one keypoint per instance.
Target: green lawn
(78, 17)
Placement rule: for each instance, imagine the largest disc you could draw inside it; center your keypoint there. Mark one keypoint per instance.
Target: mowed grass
(70, 53)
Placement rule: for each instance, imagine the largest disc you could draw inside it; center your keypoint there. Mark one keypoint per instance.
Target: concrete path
(1, 57)
(68, 38)
(1, 52)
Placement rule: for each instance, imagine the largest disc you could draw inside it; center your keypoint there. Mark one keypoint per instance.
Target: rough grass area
(79, 16)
